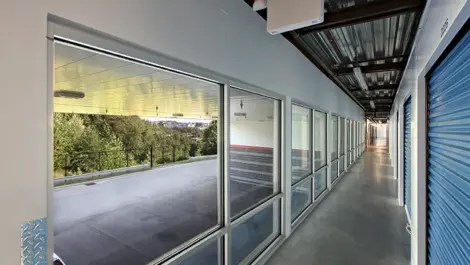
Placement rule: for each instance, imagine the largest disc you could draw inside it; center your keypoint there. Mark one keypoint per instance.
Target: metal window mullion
(313, 154)
(225, 164)
(338, 151)
(277, 161)
(286, 181)
(328, 150)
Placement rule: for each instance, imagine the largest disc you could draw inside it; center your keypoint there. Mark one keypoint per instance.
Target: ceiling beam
(373, 68)
(378, 99)
(390, 58)
(364, 13)
(312, 57)
(377, 88)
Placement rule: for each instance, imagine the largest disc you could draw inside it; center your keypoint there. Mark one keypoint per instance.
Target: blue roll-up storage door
(448, 189)
(407, 156)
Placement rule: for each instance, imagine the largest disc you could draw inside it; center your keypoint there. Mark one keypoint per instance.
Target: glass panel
(320, 182)
(334, 170)
(255, 233)
(341, 140)
(254, 149)
(341, 165)
(124, 117)
(209, 255)
(334, 135)
(301, 143)
(348, 135)
(301, 198)
(320, 139)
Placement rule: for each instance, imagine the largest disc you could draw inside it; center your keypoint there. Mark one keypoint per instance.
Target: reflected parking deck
(137, 217)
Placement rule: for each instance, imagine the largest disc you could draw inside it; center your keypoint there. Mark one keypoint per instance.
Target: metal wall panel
(448, 189)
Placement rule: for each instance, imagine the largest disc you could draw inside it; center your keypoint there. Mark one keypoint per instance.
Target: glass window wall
(208, 255)
(301, 198)
(115, 114)
(301, 143)
(334, 137)
(334, 171)
(320, 182)
(342, 134)
(254, 149)
(254, 234)
(112, 114)
(320, 139)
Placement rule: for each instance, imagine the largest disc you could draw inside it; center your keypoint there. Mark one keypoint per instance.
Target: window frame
(61, 30)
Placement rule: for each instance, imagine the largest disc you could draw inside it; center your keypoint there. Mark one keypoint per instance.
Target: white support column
(419, 175)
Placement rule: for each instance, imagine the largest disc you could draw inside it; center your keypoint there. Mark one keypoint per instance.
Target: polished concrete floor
(358, 223)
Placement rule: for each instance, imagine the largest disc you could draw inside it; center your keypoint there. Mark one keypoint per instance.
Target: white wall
(428, 46)
(221, 35)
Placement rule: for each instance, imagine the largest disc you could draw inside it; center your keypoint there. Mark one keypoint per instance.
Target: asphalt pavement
(135, 218)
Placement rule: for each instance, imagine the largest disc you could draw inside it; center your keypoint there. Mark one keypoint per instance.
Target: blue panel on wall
(34, 242)
(448, 190)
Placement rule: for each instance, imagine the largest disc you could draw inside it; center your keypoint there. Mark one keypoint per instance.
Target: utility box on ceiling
(287, 15)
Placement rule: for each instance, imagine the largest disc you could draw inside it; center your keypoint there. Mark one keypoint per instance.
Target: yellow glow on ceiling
(118, 87)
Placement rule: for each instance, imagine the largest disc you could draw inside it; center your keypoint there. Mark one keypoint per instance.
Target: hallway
(359, 222)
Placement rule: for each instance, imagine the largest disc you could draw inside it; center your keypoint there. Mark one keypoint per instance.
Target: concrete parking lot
(135, 218)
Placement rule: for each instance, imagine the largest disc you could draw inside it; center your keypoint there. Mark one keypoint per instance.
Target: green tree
(68, 128)
(209, 139)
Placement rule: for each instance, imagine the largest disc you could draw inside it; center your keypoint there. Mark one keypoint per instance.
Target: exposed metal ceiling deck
(376, 36)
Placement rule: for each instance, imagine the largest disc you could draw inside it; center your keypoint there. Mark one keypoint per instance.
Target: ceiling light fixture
(372, 104)
(69, 94)
(260, 5)
(360, 78)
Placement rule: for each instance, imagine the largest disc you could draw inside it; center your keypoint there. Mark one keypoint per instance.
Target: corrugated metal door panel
(407, 156)
(448, 188)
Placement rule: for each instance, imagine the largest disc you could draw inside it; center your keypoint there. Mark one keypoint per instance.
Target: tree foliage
(87, 143)
(209, 139)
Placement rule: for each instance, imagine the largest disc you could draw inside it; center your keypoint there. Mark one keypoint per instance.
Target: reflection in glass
(255, 233)
(301, 198)
(208, 255)
(334, 139)
(341, 140)
(334, 171)
(341, 165)
(320, 182)
(301, 145)
(254, 149)
(320, 139)
(131, 114)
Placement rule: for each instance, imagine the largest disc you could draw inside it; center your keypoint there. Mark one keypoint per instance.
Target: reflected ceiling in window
(93, 83)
